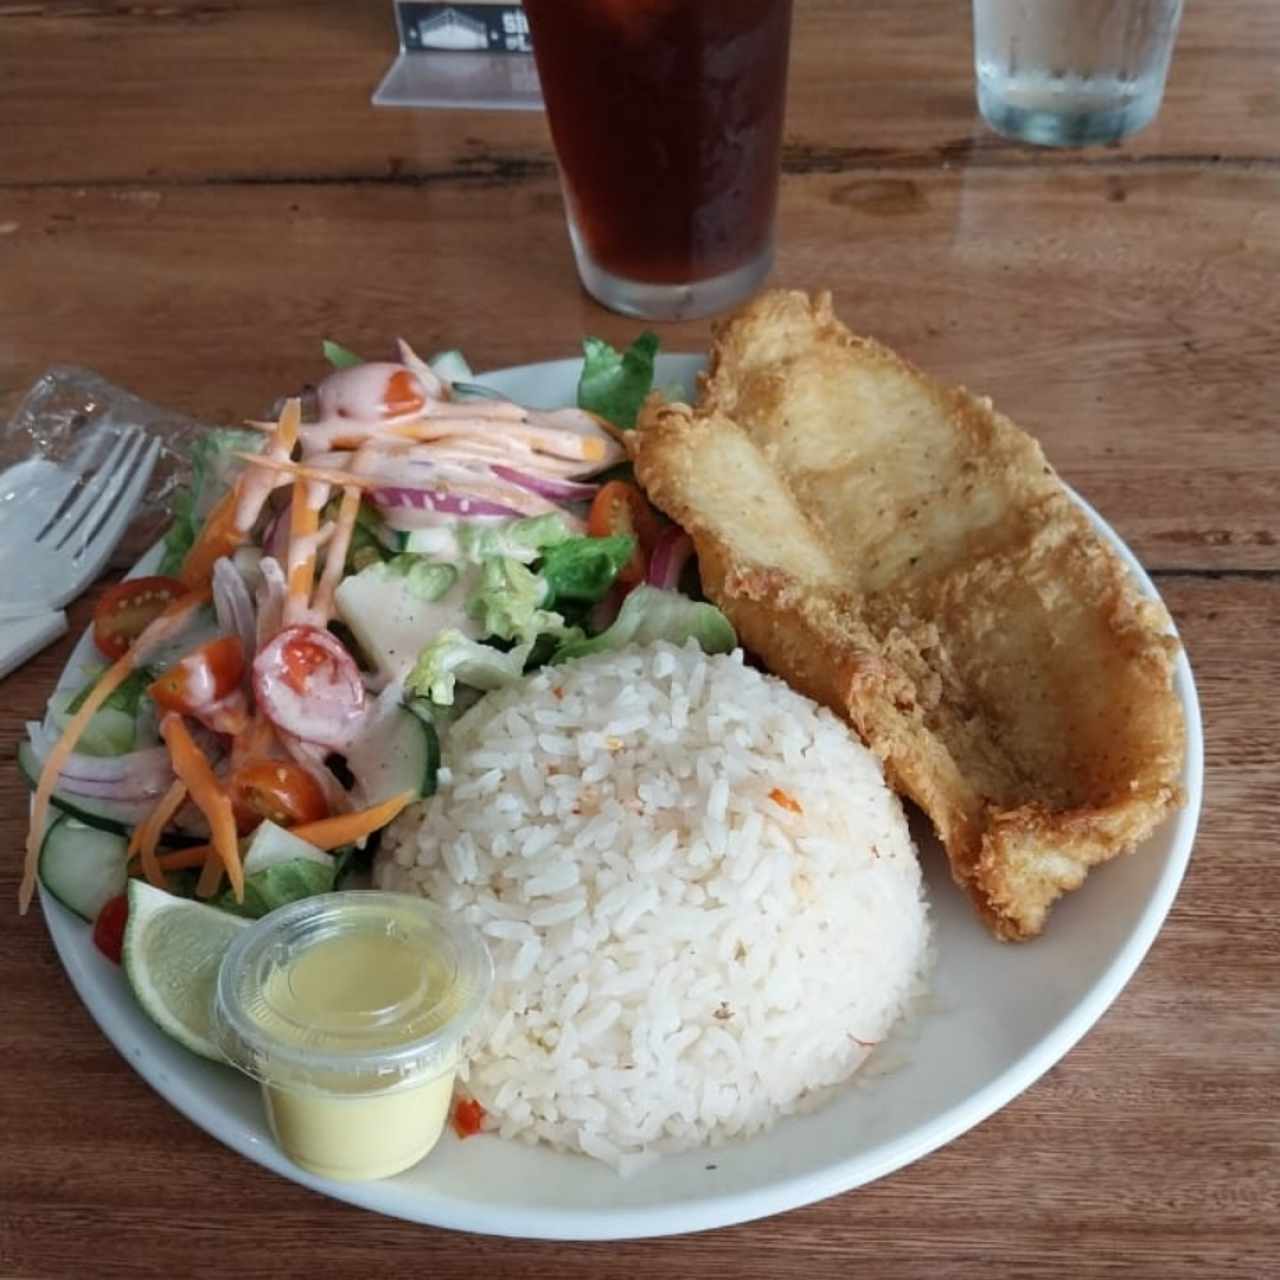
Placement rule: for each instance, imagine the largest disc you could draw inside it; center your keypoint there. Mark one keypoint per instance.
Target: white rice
(681, 959)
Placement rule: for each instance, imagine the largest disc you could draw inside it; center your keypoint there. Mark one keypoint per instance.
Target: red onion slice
(452, 504)
(554, 488)
(234, 606)
(135, 776)
(670, 555)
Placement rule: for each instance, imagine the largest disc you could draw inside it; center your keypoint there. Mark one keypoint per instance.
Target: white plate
(1004, 1015)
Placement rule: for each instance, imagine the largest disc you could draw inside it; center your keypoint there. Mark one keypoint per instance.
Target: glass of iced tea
(667, 122)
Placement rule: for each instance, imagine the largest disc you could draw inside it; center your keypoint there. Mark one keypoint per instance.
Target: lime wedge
(172, 949)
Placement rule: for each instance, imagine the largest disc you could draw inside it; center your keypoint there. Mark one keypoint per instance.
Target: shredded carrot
(304, 520)
(146, 835)
(253, 741)
(197, 855)
(160, 629)
(190, 765)
(323, 475)
(785, 800)
(287, 428)
(327, 834)
(210, 880)
(219, 537)
(336, 555)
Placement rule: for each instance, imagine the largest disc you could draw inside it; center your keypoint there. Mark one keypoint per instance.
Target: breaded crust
(905, 555)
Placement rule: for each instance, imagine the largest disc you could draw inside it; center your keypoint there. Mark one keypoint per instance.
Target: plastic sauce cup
(349, 1009)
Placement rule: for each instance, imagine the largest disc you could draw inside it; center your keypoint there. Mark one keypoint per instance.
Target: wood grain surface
(192, 195)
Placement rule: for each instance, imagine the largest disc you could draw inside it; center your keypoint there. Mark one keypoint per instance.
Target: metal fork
(49, 556)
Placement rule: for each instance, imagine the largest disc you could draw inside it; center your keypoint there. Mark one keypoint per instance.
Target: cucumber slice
(402, 755)
(82, 866)
(107, 815)
(439, 541)
(271, 845)
(280, 868)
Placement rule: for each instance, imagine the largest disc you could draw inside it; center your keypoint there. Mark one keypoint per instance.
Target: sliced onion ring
(452, 504)
(552, 487)
(670, 555)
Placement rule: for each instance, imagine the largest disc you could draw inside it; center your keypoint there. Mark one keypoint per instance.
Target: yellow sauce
(359, 1136)
(379, 989)
(349, 1009)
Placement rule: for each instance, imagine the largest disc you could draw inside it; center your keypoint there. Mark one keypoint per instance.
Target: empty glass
(1070, 73)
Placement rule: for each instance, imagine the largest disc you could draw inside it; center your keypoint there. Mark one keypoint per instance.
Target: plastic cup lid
(350, 992)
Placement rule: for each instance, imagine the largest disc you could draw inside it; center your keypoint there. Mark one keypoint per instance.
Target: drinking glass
(667, 121)
(1068, 73)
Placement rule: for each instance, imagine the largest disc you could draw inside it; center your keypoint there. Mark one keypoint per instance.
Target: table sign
(461, 55)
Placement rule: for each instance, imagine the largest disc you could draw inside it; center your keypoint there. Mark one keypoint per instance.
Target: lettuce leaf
(214, 466)
(614, 384)
(524, 540)
(428, 580)
(126, 696)
(452, 658)
(278, 885)
(181, 535)
(339, 356)
(584, 569)
(507, 602)
(649, 614)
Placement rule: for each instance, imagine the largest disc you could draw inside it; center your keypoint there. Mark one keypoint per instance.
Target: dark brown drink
(667, 121)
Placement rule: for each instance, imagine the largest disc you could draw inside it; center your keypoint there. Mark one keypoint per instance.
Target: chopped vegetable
(506, 603)
(219, 537)
(584, 569)
(191, 766)
(278, 791)
(524, 540)
(182, 533)
(304, 521)
(335, 563)
(146, 835)
(214, 467)
(424, 579)
(205, 684)
(649, 615)
(785, 800)
(621, 510)
(108, 928)
(308, 685)
(468, 1117)
(124, 611)
(338, 355)
(614, 384)
(178, 613)
(453, 657)
(328, 833)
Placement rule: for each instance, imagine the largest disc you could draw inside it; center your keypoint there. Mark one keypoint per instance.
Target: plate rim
(729, 1208)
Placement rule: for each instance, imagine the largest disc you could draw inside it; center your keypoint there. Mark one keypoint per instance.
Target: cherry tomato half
(108, 928)
(307, 684)
(202, 677)
(620, 508)
(276, 791)
(124, 611)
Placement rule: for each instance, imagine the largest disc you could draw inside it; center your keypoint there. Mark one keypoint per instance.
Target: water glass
(1070, 73)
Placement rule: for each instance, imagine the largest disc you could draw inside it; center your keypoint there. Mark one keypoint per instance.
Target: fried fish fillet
(904, 554)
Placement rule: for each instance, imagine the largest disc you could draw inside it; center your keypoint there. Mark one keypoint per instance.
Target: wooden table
(192, 194)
